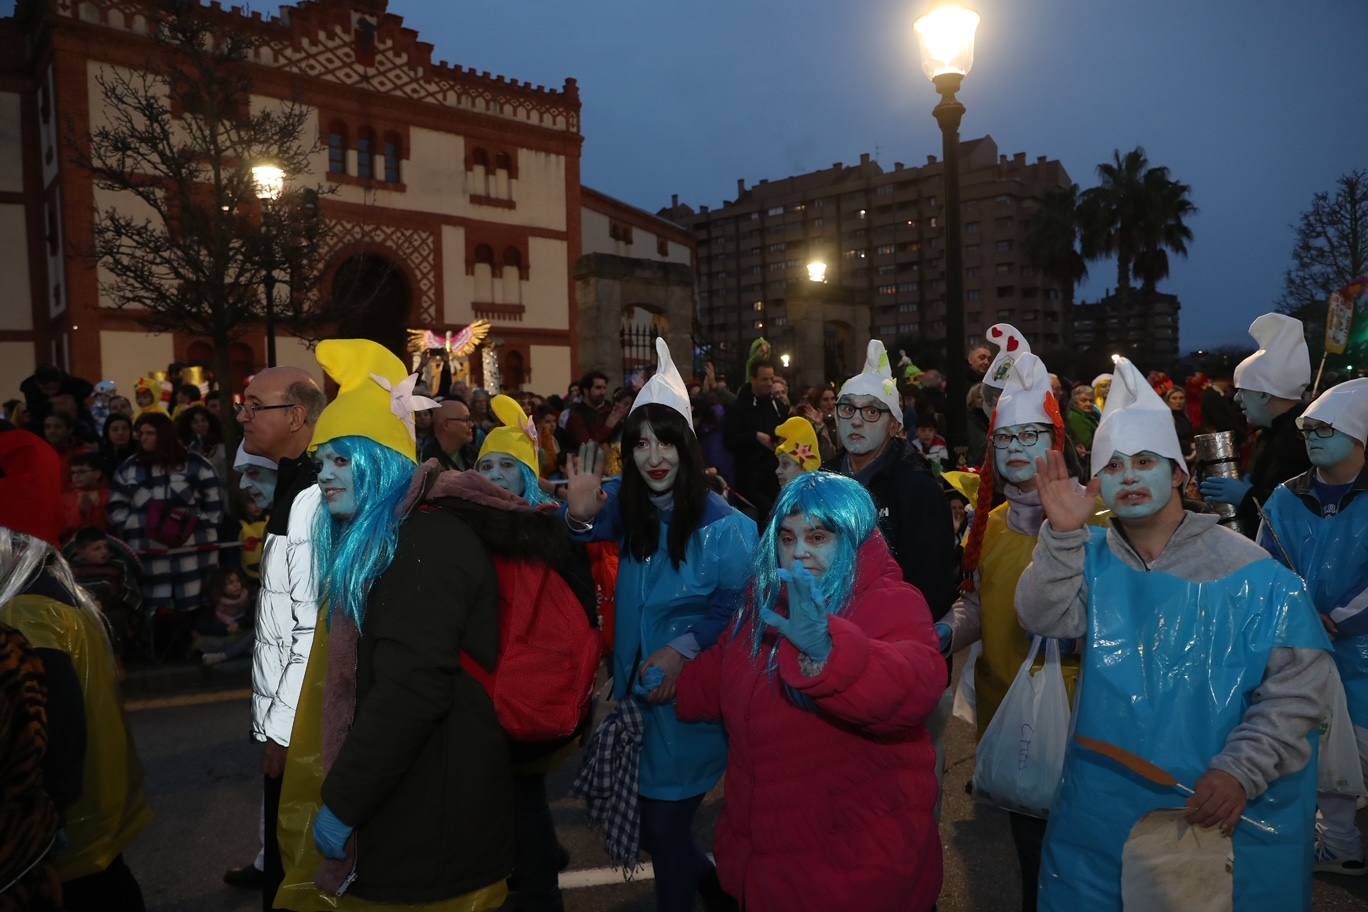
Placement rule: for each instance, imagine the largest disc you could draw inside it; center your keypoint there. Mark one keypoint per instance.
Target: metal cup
(1218, 457)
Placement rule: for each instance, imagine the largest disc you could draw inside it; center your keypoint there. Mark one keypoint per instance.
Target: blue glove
(655, 676)
(1226, 490)
(806, 626)
(331, 834)
(947, 637)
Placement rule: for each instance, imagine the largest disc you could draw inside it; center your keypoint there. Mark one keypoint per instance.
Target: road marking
(212, 696)
(603, 877)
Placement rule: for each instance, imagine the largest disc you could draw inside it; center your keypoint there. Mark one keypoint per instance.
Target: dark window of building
(1006, 291)
(485, 254)
(391, 159)
(365, 155)
(337, 150)
(663, 249)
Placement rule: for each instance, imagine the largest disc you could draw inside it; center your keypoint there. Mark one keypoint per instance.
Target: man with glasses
(1315, 525)
(1268, 389)
(452, 431)
(278, 412)
(914, 515)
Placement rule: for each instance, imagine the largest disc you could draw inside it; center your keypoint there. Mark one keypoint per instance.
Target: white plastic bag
(965, 696)
(1340, 770)
(1021, 755)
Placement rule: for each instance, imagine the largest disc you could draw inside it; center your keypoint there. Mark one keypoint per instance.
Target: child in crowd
(86, 495)
(226, 634)
(111, 573)
(930, 443)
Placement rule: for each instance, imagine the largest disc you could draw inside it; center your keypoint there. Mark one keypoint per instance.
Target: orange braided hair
(973, 548)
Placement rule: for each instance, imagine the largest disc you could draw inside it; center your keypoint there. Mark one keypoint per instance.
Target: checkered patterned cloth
(608, 782)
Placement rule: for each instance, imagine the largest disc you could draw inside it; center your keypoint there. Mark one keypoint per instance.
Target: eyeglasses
(467, 420)
(1323, 431)
(1028, 437)
(870, 413)
(246, 411)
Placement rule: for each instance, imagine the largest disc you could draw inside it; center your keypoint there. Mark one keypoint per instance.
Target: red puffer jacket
(830, 809)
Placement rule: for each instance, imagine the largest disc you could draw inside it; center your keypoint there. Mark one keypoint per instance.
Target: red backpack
(548, 654)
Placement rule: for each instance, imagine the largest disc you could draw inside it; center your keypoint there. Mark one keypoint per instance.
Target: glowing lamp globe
(945, 36)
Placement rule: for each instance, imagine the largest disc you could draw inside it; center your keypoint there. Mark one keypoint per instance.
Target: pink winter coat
(830, 809)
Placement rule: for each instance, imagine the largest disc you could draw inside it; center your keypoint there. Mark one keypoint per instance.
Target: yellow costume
(112, 808)
(799, 443)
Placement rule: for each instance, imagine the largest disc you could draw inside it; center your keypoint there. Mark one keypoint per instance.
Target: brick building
(457, 193)
(881, 234)
(1144, 328)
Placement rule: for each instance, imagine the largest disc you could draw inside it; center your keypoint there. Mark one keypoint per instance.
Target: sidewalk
(144, 681)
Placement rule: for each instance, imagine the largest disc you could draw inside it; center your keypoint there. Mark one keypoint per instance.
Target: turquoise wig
(834, 502)
(350, 554)
(532, 492)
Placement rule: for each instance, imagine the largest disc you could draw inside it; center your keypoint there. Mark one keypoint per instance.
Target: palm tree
(1110, 213)
(1164, 229)
(1052, 236)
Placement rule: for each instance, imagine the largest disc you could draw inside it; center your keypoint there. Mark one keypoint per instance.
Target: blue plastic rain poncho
(1329, 553)
(657, 603)
(1169, 670)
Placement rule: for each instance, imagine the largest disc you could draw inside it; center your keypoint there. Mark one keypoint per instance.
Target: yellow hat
(966, 483)
(800, 443)
(517, 437)
(375, 396)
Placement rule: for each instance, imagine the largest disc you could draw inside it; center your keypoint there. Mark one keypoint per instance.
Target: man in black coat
(748, 433)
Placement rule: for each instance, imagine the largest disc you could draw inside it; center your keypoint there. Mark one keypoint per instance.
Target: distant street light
(816, 271)
(269, 180)
(945, 36)
(785, 360)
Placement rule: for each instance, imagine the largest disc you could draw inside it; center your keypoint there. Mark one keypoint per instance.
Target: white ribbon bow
(403, 403)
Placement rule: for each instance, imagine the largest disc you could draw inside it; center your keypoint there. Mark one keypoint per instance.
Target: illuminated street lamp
(268, 179)
(945, 36)
(785, 360)
(816, 271)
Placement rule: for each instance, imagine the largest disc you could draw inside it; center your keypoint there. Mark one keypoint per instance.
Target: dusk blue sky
(1257, 104)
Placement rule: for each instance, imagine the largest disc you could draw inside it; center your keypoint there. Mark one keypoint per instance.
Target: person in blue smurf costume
(1202, 657)
(1316, 524)
(685, 565)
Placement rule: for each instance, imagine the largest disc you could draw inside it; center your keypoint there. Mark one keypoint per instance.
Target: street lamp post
(270, 185)
(946, 38)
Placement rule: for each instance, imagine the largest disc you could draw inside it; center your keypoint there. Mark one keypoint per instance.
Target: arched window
(480, 158)
(365, 155)
(502, 162)
(512, 259)
(391, 159)
(337, 149)
(484, 274)
(485, 254)
(511, 279)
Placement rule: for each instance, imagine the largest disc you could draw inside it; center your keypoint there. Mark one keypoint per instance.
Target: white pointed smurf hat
(1135, 420)
(1011, 345)
(245, 459)
(1343, 407)
(1026, 386)
(1282, 365)
(875, 380)
(666, 387)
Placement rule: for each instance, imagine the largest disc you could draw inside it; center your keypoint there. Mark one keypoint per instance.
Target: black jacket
(1222, 414)
(292, 477)
(1279, 454)
(755, 463)
(424, 773)
(914, 516)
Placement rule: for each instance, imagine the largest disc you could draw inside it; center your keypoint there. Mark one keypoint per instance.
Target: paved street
(202, 777)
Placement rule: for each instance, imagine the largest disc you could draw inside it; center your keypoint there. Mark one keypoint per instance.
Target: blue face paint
(1134, 487)
(804, 544)
(1325, 452)
(336, 479)
(1255, 407)
(503, 470)
(1017, 463)
(258, 485)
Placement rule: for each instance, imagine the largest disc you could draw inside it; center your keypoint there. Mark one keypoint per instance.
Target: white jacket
(287, 609)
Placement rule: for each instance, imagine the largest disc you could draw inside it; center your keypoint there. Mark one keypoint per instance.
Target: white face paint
(787, 470)
(1016, 461)
(860, 435)
(802, 545)
(503, 470)
(657, 462)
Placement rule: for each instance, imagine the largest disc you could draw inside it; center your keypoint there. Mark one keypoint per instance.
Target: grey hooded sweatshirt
(1052, 601)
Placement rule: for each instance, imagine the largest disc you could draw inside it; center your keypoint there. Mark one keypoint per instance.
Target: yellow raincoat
(112, 808)
(301, 797)
(1005, 556)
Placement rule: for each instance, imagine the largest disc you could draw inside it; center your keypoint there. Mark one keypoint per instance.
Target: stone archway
(374, 301)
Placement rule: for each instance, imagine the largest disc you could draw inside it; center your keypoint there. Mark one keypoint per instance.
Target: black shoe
(715, 899)
(247, 877)
(562, 857)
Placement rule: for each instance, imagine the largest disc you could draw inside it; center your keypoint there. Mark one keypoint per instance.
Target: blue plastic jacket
(1169, 670)
(1330, 554)
(657, 603)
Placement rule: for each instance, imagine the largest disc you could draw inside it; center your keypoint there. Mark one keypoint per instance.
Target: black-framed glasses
(247, 410)
(1027, 437)
(870, 413)
(1323, 431)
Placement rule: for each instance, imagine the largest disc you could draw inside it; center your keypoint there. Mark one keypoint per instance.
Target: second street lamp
(269, 180)
(946, 39)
